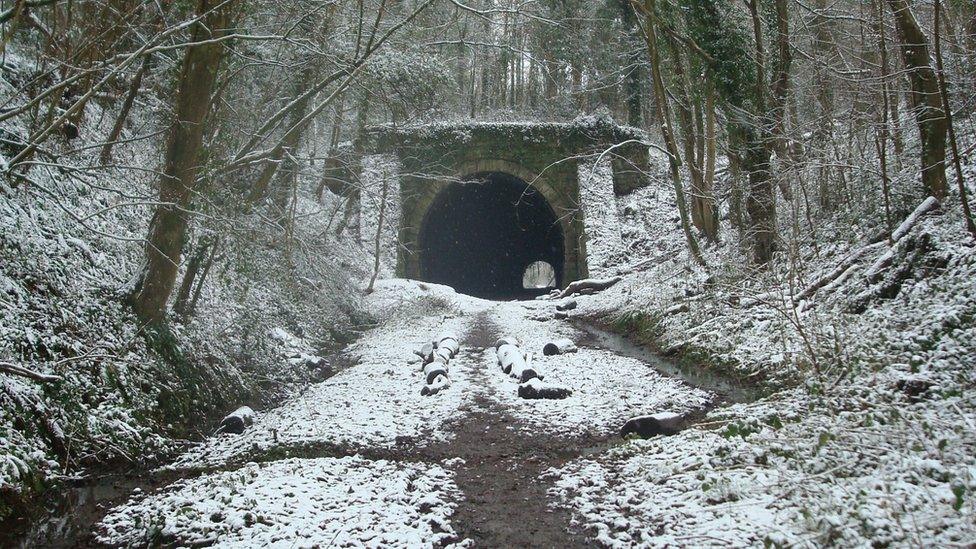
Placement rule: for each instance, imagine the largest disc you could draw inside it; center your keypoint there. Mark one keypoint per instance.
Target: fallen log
(450, 344)
(522, 369)
(439, 384)
(835, 273)
(506, 341)
(653, 425)
(443, 355)
(507, 355)
(434, 369)
(525, 373)
(237, 421)
(559, 347)
(589, 284)
(929, 204)
(537, 389)
(882, 263)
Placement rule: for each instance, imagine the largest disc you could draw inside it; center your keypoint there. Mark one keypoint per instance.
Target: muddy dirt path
(505, 502)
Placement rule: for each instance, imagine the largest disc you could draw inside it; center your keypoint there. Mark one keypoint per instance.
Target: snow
(658, 493)
(607, 387)
(840, 456)
(837, 453)
(379, 170)
(69, 242)
(335, 502)
(374, 404)
(604, 245)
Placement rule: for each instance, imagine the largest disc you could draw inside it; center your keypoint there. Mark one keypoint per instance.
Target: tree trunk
(130, 97)
(947, 108)
(192, 270)
(781, 78)
(826, 55)
(760, 202)
(926, 101)
(709, 211)
(167, 230)
(667, 130)
(203, 277)
(379, 238)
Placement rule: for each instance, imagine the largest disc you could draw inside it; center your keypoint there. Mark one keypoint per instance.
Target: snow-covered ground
(871, 440)
(376, 406)
(607, 387)
(324, 502)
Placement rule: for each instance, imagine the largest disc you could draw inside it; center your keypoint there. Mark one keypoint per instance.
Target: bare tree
(164, 246)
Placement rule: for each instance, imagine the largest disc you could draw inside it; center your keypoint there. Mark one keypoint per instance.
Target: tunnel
(480, 236)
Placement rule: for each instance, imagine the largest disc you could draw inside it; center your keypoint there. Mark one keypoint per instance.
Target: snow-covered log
(450, 343)
(591, 284)
(929, 204)
(525, 373)
(559, 347)
(439, 383)
(882, 263)
(653, 425)
(522, 369)
(443, 355)
(835, 273)
(434, 369)
(508, 355)
(441, 350)
(237, 421)
(535, 388)
(873, 274)
(506, 341)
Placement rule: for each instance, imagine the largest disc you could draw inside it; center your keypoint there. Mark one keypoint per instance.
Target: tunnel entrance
(481, 234)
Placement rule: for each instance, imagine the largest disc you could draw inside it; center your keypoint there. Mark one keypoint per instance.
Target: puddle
(70, 513)
(728, 389)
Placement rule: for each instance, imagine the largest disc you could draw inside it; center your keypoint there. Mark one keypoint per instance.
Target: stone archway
(553, 158)
(419, 196)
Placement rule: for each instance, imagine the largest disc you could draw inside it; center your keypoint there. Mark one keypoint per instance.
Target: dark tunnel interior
(480, 235)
